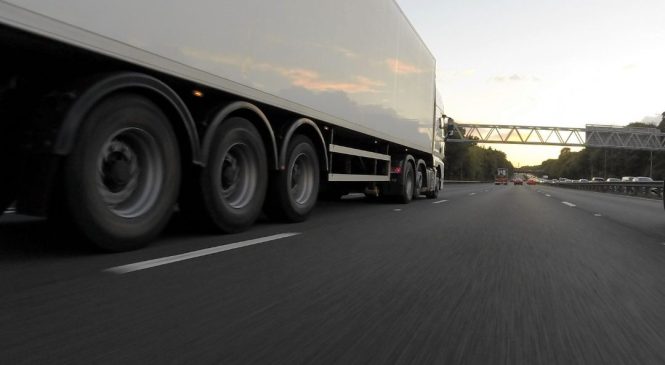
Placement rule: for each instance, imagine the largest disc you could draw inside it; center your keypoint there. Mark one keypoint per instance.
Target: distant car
(627, 179)
(613, 179)
(642, 179)
(583, 180)
(517, 181)
(597, 179)
(531, 182)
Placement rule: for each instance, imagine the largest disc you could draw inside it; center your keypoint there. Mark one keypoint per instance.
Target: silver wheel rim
(130, 172)
(238, 174)
(301, 179)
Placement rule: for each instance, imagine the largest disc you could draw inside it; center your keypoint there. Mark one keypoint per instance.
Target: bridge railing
(652, 189)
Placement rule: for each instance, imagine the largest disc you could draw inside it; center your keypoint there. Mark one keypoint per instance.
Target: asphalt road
(483, 275)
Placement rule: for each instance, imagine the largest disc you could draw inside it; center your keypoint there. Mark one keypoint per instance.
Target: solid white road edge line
(569, 204)
(194, 254)
(440, 201)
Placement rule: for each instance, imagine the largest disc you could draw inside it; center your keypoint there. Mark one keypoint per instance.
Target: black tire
(122, 178)
(434, 193)
(293, 191)
(235, 179)
(8, 187)
(419, 181)
(12, 154)
(408, 186)
(5, 202)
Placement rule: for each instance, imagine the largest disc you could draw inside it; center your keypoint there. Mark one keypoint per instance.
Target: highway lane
(643, 214)
(484, 274)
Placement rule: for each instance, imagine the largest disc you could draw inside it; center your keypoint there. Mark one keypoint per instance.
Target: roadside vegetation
(466, 161)
(604, 162)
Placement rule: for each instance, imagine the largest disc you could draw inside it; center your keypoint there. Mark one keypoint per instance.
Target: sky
(561, 63)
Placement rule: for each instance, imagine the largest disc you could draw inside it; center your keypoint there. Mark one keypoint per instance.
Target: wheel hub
(230, 172)
(119, 167)
(238, 175)
(116, 172)
(300, 182)
(295, 175)
(129, 172)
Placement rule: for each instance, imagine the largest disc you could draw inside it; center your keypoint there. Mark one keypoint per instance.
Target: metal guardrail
(652, 189)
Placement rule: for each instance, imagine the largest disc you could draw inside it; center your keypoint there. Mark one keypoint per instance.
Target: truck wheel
(293, 191)
(6, 199)
(122, 178)
(420, 176)
(408, 188)
(434, 193)
(234, 181)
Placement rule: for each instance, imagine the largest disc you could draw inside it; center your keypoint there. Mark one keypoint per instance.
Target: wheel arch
(402, 161)
(439, 167)
(421, 165)
(107, 85)
(308, 128)
(255, 116)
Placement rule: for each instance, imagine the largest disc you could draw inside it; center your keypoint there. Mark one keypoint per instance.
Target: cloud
(401, 67)
(302, 77)
(652, 119)
(345, 52)
(313, 82)
(515, 78)
(454, 74)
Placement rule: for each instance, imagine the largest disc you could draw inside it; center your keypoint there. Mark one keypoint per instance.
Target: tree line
(467, 161)
(605, 162)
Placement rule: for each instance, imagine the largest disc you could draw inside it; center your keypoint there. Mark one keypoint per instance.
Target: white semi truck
(113, 114)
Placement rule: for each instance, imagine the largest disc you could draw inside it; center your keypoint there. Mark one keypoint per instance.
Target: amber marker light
(197, 93)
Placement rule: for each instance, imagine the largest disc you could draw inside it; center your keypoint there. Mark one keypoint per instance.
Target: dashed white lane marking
(124, 269)
(548, 195)
(486, 190)
(597, 215)
(472, 193)
(397, 210)
(440, 201)
(10, 211)
(569, 204)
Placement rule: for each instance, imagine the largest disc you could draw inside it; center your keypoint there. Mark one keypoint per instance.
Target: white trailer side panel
(356, 64)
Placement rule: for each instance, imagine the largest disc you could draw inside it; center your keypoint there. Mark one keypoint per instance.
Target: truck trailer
(501, 176)
(114, 115)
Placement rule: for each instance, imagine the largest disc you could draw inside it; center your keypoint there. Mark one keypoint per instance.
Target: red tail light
(396, 169)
